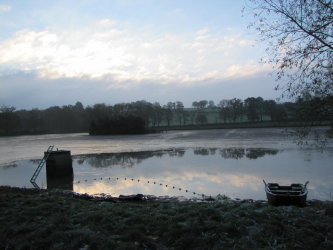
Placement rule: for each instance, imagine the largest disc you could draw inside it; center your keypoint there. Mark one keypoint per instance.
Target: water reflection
(235, 172)
(129, 159)
(254, 153)
(60, 181)
(125, 160)
(35, 161)
(233, 153)
(11, 165)
(179, 152)
(201, 151)
(212, 151)
(64, 182)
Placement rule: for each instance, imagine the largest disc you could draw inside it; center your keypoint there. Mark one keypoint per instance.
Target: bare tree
(203, 104)
(260, 106)
(211, 104)
(251, 109)
(224, 112)
(201, 119)
(179, 105)
(158, 114)
(186, 116)
(9, 121)
(34, 119)
(235, 108)
(195, 104)
(167, 113)
(300, 45)
(270, 108)
(179, 112)
(192, 116)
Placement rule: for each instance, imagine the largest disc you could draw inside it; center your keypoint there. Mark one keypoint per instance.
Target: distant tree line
(77, 118)
(65, 119)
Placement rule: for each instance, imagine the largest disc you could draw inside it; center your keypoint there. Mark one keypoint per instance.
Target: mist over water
(177, 163)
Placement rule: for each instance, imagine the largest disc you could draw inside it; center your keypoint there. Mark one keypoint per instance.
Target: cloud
(250, 68)
(201, 38)
(203, 31)
(106, 22)
(5, 8)
(246, 42)
(104, 51)
(27, 89)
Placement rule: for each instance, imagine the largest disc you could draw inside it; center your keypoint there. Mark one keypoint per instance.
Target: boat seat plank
(285, 192)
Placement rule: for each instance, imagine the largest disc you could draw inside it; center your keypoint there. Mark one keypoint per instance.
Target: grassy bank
(33, 219)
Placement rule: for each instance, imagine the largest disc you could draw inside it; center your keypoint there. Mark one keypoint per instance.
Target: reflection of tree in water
(212, 151)
(10, 165)
(35, 161)
(104, 160)
(172, 153)
(124, 159)
(201, 151)
(159, 154)
(131, 158)
(115, 159)
(179, 152)
(254, 153)
(80, 161)
(251, 153)
(204, 151)
(234, 153)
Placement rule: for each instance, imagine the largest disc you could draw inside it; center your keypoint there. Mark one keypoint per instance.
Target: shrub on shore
(118, 126)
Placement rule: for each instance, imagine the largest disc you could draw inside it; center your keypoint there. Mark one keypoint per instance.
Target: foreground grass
(51, 221)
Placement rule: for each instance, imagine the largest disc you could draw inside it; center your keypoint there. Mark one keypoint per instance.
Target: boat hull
(295, 194)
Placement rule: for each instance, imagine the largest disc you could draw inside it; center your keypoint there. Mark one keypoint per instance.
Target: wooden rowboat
(295, 194)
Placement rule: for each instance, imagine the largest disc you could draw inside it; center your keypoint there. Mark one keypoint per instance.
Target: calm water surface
(179, 163)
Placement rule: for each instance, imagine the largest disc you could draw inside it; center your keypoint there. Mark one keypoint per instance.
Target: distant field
(214, 122)
(213, 117)
(227, 126)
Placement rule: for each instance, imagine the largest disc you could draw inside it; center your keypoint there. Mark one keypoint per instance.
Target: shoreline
(159, 129)
(143, 197)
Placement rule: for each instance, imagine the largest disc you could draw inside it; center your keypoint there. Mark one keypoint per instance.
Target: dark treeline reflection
(251, 153)
(254, 153)
(35, 161)
(129, 159)
(204, 151)
(10, 165)
(179, 152)
(234, 153)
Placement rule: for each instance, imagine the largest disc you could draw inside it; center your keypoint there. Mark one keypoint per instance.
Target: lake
(232, 162)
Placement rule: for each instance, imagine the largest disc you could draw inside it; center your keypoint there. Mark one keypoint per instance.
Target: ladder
(40, 166)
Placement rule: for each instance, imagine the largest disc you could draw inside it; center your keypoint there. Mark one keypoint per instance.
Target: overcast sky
(112, 51)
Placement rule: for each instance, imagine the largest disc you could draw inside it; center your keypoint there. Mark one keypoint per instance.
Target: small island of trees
(118, 126)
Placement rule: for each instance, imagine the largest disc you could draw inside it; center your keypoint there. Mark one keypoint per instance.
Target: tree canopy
(300, 46)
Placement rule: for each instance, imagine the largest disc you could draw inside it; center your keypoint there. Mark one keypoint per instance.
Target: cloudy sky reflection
(235, 172)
